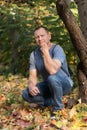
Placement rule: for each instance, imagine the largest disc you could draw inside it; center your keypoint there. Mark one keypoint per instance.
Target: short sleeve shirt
(56, 52)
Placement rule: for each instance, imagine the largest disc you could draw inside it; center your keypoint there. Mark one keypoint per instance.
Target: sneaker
(52, 115)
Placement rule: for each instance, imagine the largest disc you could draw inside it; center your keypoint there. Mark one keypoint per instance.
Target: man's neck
(50, 45)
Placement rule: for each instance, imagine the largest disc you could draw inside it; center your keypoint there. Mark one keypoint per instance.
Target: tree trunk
(82, 80)
(14, 51)
(82, 11)
(79, 42)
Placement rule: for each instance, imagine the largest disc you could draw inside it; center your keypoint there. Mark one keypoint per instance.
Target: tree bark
(14, 51)
(78, 41)
(82, 80)
(82, 11)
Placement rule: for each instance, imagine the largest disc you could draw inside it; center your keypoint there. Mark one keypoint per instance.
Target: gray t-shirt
(56, 52)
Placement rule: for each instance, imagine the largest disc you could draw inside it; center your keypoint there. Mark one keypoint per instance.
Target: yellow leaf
(72, 112)
(58, 124)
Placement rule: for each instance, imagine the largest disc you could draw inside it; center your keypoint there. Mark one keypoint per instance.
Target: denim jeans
(51, 92)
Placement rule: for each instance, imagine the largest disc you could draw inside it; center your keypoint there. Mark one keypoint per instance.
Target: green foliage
(17, 22)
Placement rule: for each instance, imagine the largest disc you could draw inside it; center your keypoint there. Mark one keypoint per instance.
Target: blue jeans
(51, 92)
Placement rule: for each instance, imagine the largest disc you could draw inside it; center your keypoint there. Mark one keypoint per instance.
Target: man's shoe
(52, 115)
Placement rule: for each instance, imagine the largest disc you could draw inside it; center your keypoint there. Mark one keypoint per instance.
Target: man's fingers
(35, 91)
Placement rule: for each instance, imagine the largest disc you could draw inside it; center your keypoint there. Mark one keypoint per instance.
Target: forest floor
(16, 114)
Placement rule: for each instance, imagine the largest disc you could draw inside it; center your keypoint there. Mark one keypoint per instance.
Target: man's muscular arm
(33, 90)
(51, 65)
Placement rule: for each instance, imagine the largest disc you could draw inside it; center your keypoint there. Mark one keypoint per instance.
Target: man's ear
(49, 35)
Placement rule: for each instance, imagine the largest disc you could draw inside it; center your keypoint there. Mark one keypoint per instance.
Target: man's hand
(44, 49)
(33, 91)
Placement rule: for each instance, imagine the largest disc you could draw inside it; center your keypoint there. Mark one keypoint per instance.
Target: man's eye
(42, 35)
(36, 37)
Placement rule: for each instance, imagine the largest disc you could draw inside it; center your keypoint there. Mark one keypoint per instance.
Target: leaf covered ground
(15, 114)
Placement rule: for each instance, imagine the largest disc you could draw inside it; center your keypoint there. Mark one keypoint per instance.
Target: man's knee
(51, 79)
(54, 82)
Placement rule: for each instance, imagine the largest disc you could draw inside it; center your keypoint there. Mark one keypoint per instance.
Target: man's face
(42, 37)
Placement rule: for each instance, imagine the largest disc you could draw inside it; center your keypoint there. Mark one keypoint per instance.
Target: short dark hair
(45, 28)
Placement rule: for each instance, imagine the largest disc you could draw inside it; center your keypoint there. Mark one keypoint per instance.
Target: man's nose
(39, 37)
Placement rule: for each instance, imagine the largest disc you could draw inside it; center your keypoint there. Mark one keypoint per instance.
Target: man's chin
(41, 44)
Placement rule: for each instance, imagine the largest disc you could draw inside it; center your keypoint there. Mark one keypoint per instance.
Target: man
(49, 61)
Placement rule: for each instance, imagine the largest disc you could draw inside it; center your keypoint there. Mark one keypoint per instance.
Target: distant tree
(78, 39)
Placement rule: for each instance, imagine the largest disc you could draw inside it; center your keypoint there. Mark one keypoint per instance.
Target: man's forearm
(32, 82)
(51, 65)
